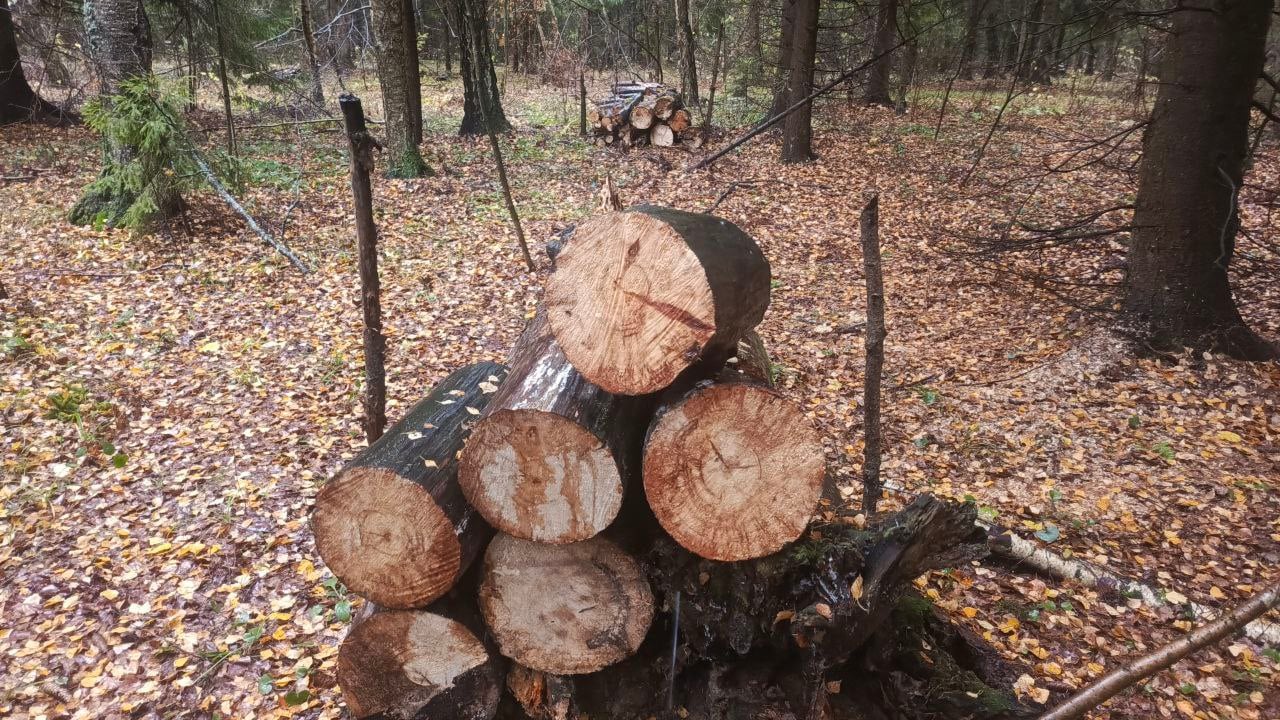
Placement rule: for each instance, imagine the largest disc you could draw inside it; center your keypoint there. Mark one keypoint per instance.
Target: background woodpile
(608, 525)
(639, 114)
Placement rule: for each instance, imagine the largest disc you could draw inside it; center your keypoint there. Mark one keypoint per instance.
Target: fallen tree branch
(1125, 676)
(1005, 543)
(230, 200)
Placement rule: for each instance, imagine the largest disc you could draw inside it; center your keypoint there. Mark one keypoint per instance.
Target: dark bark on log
(394, 525)
(564, 609)
(640, 295)
(551, 456)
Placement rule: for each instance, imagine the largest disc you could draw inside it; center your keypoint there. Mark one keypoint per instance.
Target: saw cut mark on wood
(394, 525)
(386, 538)
(564, 609)
(733, 471)
(639, 296)
(409, 664)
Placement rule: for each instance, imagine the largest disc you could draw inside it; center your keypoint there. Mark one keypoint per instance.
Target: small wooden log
(541, 695)
(416, 664)
(641, 295)
(564, 609)
(680, 121)
(693, 137)
(547, 460)
(661, 135)
(733, 470)
(394, 525)
(664, 106)
(642, 117)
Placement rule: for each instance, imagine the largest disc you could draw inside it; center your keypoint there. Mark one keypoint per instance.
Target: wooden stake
(375, 343)
(874, 341)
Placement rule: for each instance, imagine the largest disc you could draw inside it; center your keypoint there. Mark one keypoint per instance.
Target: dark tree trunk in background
(1178, 291)
(478, 76)
(781, 95)
(413, 71)
(309, 42)
(688, 51)
(1032, 61)
(797, 130)
(754, 51)
(992, 41)
(399, 85)
(970, 51)
(18, 101)
(119, 36)
(877, 92)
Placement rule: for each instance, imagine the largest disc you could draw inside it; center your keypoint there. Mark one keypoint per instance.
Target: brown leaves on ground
(171, 404)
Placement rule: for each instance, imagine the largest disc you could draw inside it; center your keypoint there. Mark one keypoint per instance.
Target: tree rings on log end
(539, 476)
(407, 664)
(386, 538)
(564, 609)
(629, 303)
(733, 471)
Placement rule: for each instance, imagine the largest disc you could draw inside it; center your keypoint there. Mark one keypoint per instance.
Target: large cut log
(564, 609)
(642, 116)
(641, 295)
(394, 525)
(732, 469)
(661, 135)
(548, 459)
(411, 664)
(680, 121)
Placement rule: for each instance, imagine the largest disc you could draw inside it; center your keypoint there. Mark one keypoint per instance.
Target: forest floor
(172, 403)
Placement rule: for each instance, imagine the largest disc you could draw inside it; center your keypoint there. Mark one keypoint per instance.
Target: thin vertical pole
(870, 231)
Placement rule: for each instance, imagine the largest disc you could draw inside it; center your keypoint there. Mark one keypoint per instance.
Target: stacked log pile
(621, 522)
(639, 114)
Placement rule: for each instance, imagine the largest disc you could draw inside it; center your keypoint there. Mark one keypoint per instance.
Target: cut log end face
(629, 303)
(396, 664)
(733, 471)
(564, 609)
(386, 538)
(539, 476)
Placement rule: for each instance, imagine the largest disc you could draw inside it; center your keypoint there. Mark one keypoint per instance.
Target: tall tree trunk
(309, 42)
(781, 96)
(877, 92)
(688, 51)
(992, 64)
(393, 54)
(223, 80)
(119, 36)
(1177, 290)
(413, 72)
(18, 101)
(970, 50)
(797, 131)
(478, 76)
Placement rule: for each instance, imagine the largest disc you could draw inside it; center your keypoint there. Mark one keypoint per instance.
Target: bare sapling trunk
(869, 228)
(309, 44)
(361, 145)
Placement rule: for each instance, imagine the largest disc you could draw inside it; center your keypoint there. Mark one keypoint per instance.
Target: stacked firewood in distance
(620, 517)
(638, 114)
(637, 393)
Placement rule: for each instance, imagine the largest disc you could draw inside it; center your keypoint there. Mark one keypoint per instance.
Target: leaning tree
(1178, 291)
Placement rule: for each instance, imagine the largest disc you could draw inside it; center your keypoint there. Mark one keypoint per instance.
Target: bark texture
(878, 90)
(309, 45)
(797, 131)
(638, 296)
(481, 103)
(394, 525)
(688, 45)
(392, 28)
(1178, 289)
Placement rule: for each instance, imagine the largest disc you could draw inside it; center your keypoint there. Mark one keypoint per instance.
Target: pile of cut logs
(641, 495)
(638, 114)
